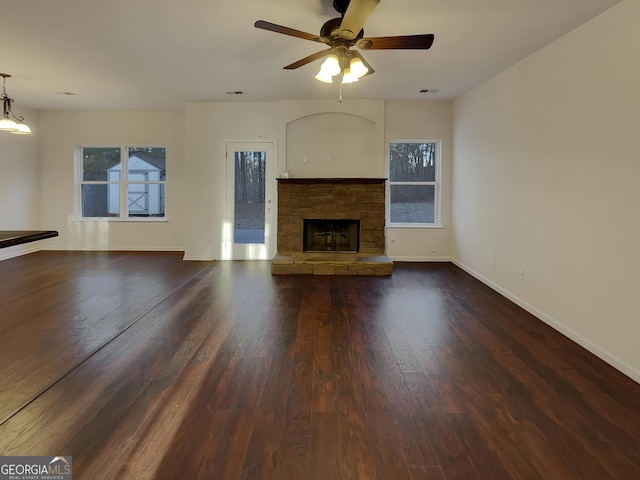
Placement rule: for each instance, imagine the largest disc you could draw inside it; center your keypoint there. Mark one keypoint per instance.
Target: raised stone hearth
(331, 264)
(359, 199)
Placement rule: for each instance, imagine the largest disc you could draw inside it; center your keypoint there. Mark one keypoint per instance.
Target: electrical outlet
(520, 274)
(434, 248)
(492, 260)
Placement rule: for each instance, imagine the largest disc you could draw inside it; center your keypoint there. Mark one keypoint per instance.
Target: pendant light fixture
(10, 122)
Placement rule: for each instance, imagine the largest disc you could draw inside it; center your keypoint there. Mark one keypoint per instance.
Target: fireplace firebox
(331, 235)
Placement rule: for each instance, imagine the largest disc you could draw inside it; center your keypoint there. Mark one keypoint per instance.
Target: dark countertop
(9, 238)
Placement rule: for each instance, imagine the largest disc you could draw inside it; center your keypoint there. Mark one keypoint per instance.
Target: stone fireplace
(331, 226)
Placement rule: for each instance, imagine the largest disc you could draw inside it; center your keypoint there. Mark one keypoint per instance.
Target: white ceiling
(156, 54)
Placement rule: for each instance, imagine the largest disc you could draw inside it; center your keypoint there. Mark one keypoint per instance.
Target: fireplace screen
(331, 235)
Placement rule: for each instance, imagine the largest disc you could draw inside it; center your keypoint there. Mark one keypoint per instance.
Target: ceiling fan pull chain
(340, 97)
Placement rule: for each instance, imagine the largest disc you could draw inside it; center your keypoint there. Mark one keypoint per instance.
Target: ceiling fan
(343, 33)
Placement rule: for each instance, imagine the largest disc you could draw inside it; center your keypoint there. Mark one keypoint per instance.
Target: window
(414, 183)
(121, 182)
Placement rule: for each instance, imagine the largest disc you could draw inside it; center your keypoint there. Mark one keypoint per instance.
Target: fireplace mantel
(334, 181)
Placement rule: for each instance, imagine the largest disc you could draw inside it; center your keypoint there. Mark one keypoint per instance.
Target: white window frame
(436, 184)
(123, 183)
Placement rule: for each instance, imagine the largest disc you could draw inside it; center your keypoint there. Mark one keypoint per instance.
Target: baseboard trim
(612, 359)
(18, 252)
(114, 249)
(397, 258)
(195, 258)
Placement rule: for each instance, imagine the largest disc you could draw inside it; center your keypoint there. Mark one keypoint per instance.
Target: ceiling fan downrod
(341, 6)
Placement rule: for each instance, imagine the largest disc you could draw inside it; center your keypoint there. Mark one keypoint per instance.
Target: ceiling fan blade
(309, 59)
(272, 27)
(407, 42)
(366, 64)
(355, 17)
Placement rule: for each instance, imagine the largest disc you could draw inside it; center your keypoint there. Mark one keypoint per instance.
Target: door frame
(251, 251)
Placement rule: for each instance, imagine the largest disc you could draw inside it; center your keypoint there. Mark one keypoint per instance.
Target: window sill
(409, 226)
(126, 220)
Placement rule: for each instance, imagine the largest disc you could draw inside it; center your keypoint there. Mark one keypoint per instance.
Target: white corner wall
(546, 178)
(62, 131)
(20, 185)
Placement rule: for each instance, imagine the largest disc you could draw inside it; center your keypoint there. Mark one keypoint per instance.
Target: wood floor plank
(425, 472)
(294, 461)
(78, 308)
(143, 366)
(325, 449)
(410, 432)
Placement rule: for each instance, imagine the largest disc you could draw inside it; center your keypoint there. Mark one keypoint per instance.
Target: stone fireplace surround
(331, 198)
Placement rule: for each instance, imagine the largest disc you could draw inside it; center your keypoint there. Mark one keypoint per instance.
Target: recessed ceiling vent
(236, 92)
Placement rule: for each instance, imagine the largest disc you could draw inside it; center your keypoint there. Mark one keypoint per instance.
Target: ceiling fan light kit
(10, 122)
(329, 69)
(351, 68)
(340, 35)
(357, 68)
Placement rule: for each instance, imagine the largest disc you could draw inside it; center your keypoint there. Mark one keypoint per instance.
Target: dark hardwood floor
(141, 365)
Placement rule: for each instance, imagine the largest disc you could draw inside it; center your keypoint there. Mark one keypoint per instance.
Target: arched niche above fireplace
(331, 144)
(337, 139)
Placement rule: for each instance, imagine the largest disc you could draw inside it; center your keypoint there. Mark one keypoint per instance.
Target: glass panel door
(250, 190)
(249, 197)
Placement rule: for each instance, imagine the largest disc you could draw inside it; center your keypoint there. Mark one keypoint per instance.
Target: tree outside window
(413, 182)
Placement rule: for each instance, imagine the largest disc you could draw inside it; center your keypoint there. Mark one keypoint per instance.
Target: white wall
(62, 131)
(196, 175)
(427, 120)
(209, 127)
(307, 128)
(339, 145)
(20, 185)
(547, 178)
(339, 139)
